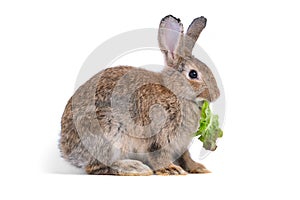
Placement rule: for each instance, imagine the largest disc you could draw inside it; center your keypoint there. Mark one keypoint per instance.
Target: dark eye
(193, 74)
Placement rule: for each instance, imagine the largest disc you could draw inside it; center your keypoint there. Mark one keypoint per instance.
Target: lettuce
(209, 130)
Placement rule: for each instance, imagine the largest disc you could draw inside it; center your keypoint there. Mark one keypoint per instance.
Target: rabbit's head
(177, 48)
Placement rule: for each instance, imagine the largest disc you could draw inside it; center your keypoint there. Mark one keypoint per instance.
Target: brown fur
(130, 121)
(67, 128)
(149, 95)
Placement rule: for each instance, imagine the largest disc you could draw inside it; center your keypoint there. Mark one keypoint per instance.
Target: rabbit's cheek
(205, 95)
(195, 85)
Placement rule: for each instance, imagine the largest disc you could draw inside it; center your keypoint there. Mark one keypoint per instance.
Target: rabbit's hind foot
(121, 167)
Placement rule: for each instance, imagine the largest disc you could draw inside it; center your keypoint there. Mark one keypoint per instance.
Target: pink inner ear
(172, 35)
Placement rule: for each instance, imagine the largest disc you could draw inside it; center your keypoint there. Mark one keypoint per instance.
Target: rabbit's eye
(193, 74)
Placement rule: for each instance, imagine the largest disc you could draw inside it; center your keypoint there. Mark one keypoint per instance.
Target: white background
(254, 45)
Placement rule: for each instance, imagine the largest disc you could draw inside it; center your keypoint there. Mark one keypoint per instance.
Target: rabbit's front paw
(171, 170)
(187, 163)
(198, 168)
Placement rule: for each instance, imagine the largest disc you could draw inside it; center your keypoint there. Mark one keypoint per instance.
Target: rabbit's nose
(214, 94)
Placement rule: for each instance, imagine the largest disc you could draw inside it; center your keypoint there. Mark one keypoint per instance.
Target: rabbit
(133, 122)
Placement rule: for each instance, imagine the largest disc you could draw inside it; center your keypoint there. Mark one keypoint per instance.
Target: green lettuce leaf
(209, 130)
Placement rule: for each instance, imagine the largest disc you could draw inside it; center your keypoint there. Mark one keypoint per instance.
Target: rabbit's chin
(199, 101)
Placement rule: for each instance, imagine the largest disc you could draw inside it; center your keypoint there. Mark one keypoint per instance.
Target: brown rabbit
(130, 121)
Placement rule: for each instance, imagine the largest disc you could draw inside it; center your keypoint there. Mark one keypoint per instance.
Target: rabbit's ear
(193, 33)
(170, 39)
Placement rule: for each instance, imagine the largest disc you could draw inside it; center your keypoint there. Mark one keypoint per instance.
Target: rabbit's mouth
(200, 103)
